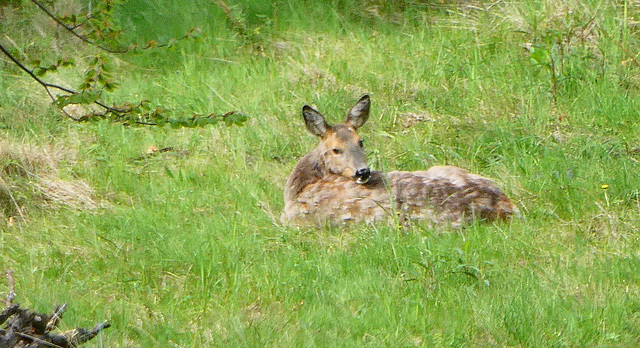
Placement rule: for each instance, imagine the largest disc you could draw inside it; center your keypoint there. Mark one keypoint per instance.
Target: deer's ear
(314, 121)
(359, 113)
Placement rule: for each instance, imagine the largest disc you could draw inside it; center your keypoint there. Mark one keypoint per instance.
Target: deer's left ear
(359, 113)
(314, 121)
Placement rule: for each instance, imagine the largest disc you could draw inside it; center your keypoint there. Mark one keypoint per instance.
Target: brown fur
(322, 189)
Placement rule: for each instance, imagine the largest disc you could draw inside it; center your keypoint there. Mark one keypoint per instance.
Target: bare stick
(55, 317)
(37, 340)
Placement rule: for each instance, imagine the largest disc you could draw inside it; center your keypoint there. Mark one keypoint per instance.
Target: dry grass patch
(30, 177)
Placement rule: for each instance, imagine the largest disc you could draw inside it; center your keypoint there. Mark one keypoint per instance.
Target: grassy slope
(189, 251)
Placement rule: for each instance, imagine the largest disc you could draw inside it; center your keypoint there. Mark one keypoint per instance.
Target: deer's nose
(363, 175)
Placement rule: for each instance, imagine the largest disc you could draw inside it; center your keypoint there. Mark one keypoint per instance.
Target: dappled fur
(441, 195)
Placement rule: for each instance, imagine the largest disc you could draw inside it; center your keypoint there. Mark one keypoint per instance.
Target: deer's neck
(309, 169)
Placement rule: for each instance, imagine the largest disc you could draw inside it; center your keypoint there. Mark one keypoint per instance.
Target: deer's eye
(337, 151)
(361, 143)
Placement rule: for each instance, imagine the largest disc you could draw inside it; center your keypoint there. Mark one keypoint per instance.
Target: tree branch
(47, 85)
(25, 69)
(72, 31)
(98, 80)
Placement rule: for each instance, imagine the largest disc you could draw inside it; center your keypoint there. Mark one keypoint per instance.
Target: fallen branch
(25, 328)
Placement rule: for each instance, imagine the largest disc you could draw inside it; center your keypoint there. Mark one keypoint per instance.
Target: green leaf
(90, 74)
(541, 56)
(144, 105)
(68, 62)
(106, 67)
(62, 101)
(235, 118)
(194, 33)
(39, 71)
(102, 79)
(88, 97)
(110, 86)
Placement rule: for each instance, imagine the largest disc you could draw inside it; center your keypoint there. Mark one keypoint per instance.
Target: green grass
(186, 248)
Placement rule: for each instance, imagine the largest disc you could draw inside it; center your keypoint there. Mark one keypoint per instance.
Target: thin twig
(47, 85)
(72, 31)
(228, 12)
(33, 76)
(55, 317)
(38, 340)
(25, 69)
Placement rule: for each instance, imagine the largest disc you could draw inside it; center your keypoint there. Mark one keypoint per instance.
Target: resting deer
(333, 184)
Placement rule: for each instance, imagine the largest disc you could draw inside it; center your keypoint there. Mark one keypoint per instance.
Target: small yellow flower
(604, 186)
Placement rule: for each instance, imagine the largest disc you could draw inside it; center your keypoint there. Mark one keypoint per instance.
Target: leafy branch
(101, 28)
(48, 86)
(101, 32)
(251, 34)
(72, 30)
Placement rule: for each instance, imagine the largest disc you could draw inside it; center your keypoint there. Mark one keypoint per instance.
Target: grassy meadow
(185, 248)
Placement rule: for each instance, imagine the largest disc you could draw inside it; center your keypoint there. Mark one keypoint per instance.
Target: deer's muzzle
(363, 175)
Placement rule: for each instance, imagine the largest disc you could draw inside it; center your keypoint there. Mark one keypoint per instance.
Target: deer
(333, 184)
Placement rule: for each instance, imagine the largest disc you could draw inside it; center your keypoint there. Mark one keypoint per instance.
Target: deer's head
(341, 148)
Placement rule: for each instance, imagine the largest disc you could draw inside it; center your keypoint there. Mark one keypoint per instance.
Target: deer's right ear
(359, 113)
(314, 121)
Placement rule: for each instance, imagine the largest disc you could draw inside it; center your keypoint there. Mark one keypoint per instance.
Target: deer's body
(332, 184)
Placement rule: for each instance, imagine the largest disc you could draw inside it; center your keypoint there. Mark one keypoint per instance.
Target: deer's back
(448, 195)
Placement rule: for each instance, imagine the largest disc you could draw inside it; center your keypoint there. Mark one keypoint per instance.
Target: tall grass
(187, 249)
